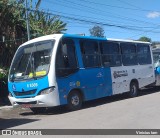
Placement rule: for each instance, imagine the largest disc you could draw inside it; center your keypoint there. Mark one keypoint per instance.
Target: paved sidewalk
(5, 103)
(6, 107)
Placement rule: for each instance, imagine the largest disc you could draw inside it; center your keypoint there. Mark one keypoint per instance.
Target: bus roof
(125, 40)
(43, 38)
(58, 36)
(109, 39)
(84, 37)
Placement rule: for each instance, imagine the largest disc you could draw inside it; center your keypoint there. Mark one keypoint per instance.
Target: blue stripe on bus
(88, 81)
(84, 37)
(28, 85)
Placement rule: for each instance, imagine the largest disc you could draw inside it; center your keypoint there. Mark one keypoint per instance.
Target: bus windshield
(31, 61)
(156, 59)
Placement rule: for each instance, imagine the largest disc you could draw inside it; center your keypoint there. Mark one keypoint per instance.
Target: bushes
(3, 83)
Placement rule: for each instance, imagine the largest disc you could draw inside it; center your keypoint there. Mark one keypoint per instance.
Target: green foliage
(4, 75)
(43, 24)
(145, 39)
(13, 26)
(97, 31)
(3, 82)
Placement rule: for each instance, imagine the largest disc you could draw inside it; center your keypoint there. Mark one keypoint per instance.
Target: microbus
(63, 69)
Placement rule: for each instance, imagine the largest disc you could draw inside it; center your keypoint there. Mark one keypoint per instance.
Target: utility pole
(27, 21)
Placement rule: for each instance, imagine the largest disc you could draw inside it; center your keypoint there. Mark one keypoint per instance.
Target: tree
(144, 39)
(42, 23)
(13, 26)
(97, 31)
(11, 30)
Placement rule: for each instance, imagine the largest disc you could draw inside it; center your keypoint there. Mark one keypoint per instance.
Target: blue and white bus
(156, 59)
(63, 69)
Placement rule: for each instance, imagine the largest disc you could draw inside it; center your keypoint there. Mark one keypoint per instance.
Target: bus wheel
(133, 89)
(74, 101)
(37, 110)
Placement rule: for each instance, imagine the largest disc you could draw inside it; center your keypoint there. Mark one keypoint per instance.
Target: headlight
(47, 91)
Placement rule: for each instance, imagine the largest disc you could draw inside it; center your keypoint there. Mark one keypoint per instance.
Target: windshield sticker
(18, 74)
(39, 73)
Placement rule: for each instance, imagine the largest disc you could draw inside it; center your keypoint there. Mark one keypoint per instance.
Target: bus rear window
(144, 56)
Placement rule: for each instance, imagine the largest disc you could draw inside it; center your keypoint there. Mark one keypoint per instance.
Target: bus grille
(33, 102)
(25, 93)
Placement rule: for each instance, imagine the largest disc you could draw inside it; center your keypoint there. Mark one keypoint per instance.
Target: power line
(99, 12)
(132, 28)
(135, 28)
(93, 18)
(144, 27)
(138, 8)
(120, 7)
(146, 31)
(77, 5)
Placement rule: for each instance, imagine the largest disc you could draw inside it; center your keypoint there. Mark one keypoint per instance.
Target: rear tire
(74, 101)
(133, 89)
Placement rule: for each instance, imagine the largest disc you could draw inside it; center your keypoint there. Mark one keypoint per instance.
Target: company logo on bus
(122, 73)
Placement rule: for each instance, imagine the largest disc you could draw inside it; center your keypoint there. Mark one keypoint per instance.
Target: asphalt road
(116, 112)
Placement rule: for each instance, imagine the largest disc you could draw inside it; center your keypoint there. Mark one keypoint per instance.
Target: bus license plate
(26, 105)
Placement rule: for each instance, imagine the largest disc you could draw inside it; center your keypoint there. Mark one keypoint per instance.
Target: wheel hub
(75, 100)
(133, 89)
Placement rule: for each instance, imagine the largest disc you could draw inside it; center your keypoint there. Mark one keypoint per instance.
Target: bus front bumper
(46, 100)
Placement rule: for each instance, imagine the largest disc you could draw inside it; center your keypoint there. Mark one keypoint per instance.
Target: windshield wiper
(32, 68)
(31, 65)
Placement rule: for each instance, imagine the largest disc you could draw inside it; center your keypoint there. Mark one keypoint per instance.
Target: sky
(120, 19)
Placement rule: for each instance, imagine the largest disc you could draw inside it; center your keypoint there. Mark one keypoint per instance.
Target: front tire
(74, 101)
(133, 90)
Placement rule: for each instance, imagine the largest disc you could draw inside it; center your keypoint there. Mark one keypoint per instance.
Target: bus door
(92, 81)
(66, 68)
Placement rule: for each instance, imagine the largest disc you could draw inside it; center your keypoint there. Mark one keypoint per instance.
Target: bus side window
(110, 54)
(66, 61)
(144, 56)
(129, 55)
(90, 53)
